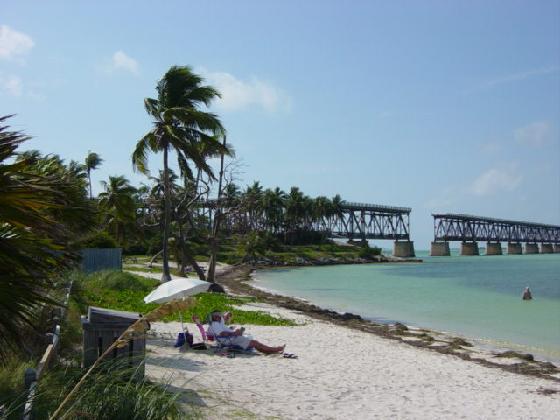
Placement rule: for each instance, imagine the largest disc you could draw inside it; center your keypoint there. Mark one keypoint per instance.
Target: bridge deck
(374, 207)
(471, 218)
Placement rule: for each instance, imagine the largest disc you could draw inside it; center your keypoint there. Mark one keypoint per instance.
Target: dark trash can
(101, 328)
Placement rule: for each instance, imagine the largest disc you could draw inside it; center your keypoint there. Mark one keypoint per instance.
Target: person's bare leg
(266, 349)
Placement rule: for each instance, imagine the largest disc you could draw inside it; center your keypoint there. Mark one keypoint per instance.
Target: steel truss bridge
(467, 228)
(356, 221)
(367, 221)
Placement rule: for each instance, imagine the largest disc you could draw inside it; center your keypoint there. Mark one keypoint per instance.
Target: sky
(435, 105)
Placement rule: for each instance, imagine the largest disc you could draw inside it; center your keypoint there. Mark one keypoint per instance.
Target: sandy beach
(342, 373)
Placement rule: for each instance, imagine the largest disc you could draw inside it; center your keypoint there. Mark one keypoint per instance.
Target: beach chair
(203, 333)
(221, 343)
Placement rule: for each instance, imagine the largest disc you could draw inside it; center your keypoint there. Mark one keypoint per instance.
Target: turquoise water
(477, 297)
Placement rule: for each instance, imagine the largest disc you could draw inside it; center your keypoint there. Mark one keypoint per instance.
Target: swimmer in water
(527, 294)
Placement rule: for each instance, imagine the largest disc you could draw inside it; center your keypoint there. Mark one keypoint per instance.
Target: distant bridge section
(368, 221)
(470, 229)
(371, 221)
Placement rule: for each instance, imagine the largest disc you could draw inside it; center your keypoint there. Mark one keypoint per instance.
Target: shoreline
(270, 263)
(238, 280)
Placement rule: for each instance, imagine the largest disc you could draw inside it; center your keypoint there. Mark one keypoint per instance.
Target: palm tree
(253, 201)
(273, 208)
(117, 201)
(32, 240)
(322, 209)
(93, 160)
(295, 207)
(179, 125)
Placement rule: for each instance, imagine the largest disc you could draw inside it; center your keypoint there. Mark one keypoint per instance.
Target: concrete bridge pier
(493, 248)
(531, 248)
(403, 249)
(546, 249)
(514, 248)
(556, 248)
(469, 248)
(440, 249)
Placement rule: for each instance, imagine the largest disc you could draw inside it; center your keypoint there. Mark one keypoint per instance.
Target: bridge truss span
(368, 221)
(462, 227)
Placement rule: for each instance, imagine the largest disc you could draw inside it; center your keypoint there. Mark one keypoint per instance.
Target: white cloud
(13, 44)
(12, 85)
(121, 61)
(536, 134)
(514, 77)
(238, 94)
(511, 78)
(495, 180)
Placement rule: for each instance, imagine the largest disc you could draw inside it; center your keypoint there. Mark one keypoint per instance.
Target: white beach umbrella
(177, 289)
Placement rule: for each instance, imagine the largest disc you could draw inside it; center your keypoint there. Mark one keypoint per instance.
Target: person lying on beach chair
(228, 336)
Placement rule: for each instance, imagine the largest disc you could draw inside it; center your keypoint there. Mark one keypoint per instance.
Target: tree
(39, 200)
(273, 207)
(180, 126)
(253, 201)
(93, 161)
(118, 203)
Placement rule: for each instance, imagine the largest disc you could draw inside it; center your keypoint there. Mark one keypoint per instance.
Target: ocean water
(475, 297)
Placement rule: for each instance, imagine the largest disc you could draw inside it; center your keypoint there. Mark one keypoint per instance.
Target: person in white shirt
(236, 337)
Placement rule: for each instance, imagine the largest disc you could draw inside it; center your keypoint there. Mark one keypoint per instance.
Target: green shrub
(120, 280)
(208, 302)
(137, 248)
(367, 252)
(99, 240)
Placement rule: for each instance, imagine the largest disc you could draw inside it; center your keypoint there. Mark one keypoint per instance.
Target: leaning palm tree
(180, 125)
(93, 160)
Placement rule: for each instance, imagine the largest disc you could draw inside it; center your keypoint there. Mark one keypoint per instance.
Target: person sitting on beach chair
(228, 336)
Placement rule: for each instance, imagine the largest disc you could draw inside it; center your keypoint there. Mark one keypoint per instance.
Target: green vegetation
(12, 370)
(110, 393)
(266, 248)
(117, 204)
(124, 291)
(43, 210)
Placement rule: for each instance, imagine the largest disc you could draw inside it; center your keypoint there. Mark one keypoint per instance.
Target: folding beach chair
(221, 343)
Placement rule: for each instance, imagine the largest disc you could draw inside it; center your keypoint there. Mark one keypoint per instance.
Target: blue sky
(440, 106)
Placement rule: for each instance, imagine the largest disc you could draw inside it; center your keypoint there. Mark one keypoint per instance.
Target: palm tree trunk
(166, 276)
(217, 219)
(89, 182)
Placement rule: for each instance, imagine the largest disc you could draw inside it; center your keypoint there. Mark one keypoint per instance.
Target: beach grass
(12, 391)
(112, 391)
(125, 291)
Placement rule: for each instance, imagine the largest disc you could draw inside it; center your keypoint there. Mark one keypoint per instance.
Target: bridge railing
(375, 207)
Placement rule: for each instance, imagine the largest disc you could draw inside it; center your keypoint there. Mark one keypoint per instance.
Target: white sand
(342, 373)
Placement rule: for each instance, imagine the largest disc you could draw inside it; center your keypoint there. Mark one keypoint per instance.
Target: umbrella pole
(181, 318)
